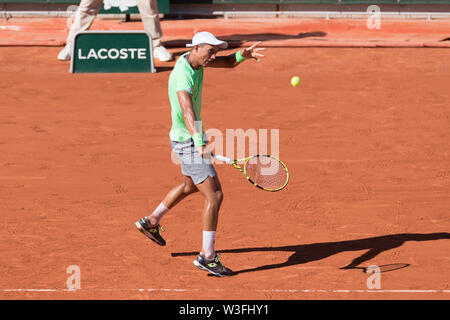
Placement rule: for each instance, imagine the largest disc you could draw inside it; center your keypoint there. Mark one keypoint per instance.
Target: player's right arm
(190, 119)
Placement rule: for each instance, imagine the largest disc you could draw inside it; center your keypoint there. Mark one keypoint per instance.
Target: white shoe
(65, 53)
(162, 54)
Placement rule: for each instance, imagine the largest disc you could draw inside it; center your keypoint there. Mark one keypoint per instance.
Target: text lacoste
(113, 54)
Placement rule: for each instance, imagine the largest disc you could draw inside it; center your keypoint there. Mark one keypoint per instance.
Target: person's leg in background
(85, 15)
(149, 12)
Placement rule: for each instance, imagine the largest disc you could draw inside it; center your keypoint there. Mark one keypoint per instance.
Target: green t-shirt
(185, 78)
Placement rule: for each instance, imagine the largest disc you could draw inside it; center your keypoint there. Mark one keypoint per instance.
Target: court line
(223, 290)
(23, 178)
(331, 160)
(357, 291)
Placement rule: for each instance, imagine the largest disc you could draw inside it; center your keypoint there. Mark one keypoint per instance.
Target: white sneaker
(65, 53)
(162, 54)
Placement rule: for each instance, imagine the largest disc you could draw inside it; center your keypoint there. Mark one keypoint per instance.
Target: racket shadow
(305, 253)
(383, 268)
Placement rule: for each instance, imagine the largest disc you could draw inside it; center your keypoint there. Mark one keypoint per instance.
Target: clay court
(365, 137)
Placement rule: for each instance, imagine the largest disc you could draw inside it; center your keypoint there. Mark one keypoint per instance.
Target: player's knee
(219, 196)
(213, 201)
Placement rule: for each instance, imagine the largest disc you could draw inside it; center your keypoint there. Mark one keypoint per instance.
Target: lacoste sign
(112, 51)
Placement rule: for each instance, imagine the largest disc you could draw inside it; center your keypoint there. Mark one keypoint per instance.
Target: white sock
(209, 237)
(159, 212)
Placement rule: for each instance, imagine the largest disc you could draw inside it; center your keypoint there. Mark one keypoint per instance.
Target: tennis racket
(263, 171)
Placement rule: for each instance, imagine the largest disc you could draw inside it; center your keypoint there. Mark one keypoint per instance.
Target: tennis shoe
(65, 53)
(213, 266)
(152, 232)
(162, 54)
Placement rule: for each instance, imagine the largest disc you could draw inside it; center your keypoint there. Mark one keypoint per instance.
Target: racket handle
(222, 158)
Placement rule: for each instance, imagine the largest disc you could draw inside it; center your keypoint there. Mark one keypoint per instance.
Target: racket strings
(266, 172)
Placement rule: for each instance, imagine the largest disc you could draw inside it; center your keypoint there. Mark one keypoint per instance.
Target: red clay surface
(365, 137)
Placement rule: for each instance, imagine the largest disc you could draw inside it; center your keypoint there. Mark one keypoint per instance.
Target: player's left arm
(231, 60)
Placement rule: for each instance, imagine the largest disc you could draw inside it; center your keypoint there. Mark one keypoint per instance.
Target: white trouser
(88, 9)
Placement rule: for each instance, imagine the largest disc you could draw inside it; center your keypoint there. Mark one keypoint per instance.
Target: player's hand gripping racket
(263, 171)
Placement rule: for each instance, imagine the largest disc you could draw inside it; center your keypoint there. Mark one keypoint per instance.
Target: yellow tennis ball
(295, 81)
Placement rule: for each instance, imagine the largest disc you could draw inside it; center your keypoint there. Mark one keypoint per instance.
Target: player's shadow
(237, 40)
(305, 253)
(163, 69)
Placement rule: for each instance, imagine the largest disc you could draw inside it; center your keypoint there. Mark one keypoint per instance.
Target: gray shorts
(192, 164)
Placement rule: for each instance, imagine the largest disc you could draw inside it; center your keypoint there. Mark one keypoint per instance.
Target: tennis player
(188, 143)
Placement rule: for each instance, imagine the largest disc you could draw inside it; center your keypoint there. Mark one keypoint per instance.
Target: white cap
(208, 38)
